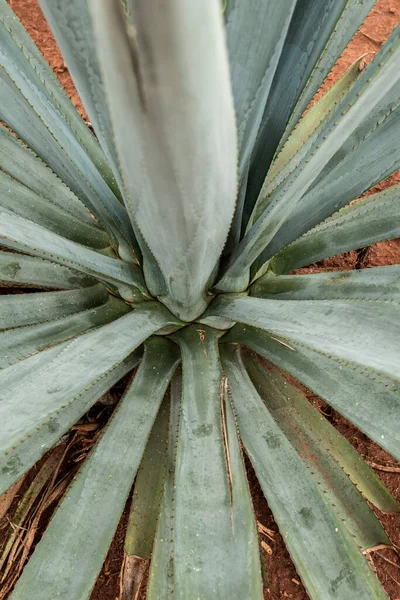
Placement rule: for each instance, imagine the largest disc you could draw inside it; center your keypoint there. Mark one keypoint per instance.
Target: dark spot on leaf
(53, 425)
(273, 441)
(54, 390)
(12, 465)
(11, 270)
(307, 516)
(203, 431)
(345, 573)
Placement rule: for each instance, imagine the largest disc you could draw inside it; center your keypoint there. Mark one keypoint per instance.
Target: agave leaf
(38, 83)
(215, 542)
(306, 520)
(379, 283)
(364, 102)
(306, 130)
(367, 399)
(64, 564)
(75, 37)
(286, 401)
(16, 344)
(25, 166)
(318, 33)
(145, 507)
(161, 576)
(35, 106)
(288, 408)
(372, 159)
(22, 270)
(17, 310)
(36, 388)
(31, 129)
(24, 455)
(341, 328)
(255, 37)
(20, 200)
(168, 88)
(26, 236)
(366, 222)
(350, 20)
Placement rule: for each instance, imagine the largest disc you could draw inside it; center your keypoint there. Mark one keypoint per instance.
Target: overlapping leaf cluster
(166, 245)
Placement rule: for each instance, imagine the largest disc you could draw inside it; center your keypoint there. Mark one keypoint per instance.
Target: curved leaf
(306, 520)
(379, 283)
(369, 156)
(168, 89)
(25, 166)
(75, 37)
(350, 20)
(37, 387)
(23, 235)
(22, 270)
(366, 333)
(17, 310)
(306, 130)
(23, 456)
(366, 222)
(35, 106)
(305, 428)
(318, 33)
(20, 200)
(367, 399)
(16, 344)
(65, 565)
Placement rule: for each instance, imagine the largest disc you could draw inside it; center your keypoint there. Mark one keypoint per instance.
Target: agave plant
(164, 247)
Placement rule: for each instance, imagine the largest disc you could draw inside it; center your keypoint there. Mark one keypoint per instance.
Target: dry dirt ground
(283, 581)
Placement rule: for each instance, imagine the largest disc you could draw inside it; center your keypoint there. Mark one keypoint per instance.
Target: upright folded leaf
(216, 552)
(171, 107)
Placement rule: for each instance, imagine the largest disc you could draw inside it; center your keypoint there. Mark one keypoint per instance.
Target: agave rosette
(166, 245)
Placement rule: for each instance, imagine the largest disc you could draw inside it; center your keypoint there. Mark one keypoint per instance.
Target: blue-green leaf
(35, 106)
(25, 166)
(64, 564)
(366, 333)
(366, 222)
(318, 442)
(36, 388)
(161, 576)
(318, 33)
(167, 83)
(24, 455)
(364, 397)
(216, 551)
(326, 556)
(17, 310)
(26, 236)
(145, 507)
(16, 344)
(379, 283)
(372, 96)
(31, 271)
